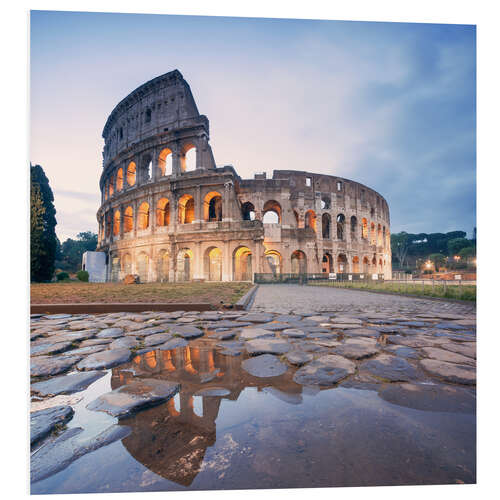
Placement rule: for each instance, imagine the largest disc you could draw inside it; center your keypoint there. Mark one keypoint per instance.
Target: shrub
(62, 276)
(82, 275)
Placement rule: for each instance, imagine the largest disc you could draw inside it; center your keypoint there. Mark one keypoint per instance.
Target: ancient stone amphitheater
(168, 213)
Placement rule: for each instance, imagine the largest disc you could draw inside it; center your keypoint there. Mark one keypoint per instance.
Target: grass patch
(463, 292)
(84, 293)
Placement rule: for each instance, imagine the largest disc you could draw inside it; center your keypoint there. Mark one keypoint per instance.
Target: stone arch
(271, 207)
(212, 207)
(380, 266)
(273, 261)
(342, 264)
(242, 264)
(325, 226)
(119, 179)
(131, 173)
(327, 263)
(188, 157)
(297, 219)
(143, 216)
(213, 264)
(364, 229)
(165, 161)
(108, 224)
(310, 219)
(143, 267)
(116, 223)
(379, 235)
(248, 211)
(355, 264)
(162, 265)
(128, 220)
(354, 225)
(115, 267)
(372, 234)
(163, 212)
(185, 265)
(111, 185)
(186, 209)
(299, 262)
(340, 226)
(127, 264)
(326, 202)
(366, 265)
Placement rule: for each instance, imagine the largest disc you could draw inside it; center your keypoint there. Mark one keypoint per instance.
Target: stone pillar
(122, 220)
(198, 262)
(200, 147)
(198, 205)
(176, 160)
(226, 262)
(227, 216)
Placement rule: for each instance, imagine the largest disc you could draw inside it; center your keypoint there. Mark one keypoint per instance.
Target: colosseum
(169, 213)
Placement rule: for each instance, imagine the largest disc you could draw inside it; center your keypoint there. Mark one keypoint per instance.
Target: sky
(390, 105)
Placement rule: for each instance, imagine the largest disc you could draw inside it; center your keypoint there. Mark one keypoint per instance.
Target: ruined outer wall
(166, 223)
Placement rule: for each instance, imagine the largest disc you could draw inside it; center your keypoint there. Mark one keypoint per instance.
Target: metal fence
(304, 279)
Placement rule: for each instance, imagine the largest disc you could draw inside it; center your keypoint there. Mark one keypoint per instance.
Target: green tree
(438, 259)
(456, 244)
(72, 250)
(43, 240)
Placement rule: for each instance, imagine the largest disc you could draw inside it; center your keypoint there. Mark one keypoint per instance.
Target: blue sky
(390, 105)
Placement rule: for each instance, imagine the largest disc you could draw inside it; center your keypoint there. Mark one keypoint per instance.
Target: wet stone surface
(242, 400)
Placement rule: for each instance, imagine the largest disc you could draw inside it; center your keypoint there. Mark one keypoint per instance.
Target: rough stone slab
(84, 351)
(147, 331)
(294, 333)
(327, 342)
(157, 338)
(213, 391)
(174, 343)
(124, 343)
(468, 349)
(356, 350)
(402, 351)
(391, 368)
(55, 456)
(90, 342)
(451, 372)
(186, 332)
(257, 317)
(327, 370)
(225, 335)
(298, 358)
(139, 393)
(66, 384)
(54, 316)
(43, 422)
(416, 341)
(445, 355)
(362, 332)
(111, 333)
(50, 348)
(74, 336)
(436, 398)
(264, 366)
(44, 366)
(267, 346)
(274, 327)
(105, 359)
(319, 319)
(254, 333)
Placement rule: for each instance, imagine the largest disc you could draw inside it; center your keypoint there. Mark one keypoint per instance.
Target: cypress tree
(42, 226)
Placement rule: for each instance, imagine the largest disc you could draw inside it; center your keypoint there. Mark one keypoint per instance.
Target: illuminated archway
(213, 264)
(143, 267)
(325, 226)
(119, 179)
(271, 212)
(372, 234)
(111, 186)
(165, 161)
(242, 264)
(188, 158)
(128, 220)
(364, 229)
(327, 263)
(116, 223)
(273, 260)
(355, 264)
(342, 265)
(366, 265)
(143, 219)
(248, 211)
(162, 266)
(127, 264)
(186, 209)
(163, 212)
(212, 207)
(299, 262)
(185, 265)
(131, 173)
(310, 219)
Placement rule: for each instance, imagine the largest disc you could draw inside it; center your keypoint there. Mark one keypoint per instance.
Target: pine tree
(42, 226)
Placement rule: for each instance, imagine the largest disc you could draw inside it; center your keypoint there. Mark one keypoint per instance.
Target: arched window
(242, 264)
(163, 212)
(379, 236)
(364, 229)
(325, 224)
(127, 264)
(119, 179)
(355, 264)
(188, 158)
(327, 263)
(372, 234)
(131, 171)
(111, 185)
(213, 264)
(273, 260)
(383, 237)
(212, 207)
(354, 225)
(143, 267)
(366, 264)
(143, 220)
(310, 219)
(147, 117)
(162, 266)
(248, 211)
(128, 220)
(271, 212)
(296, 215)
(299, 262)
(340, 226)
(342, 266)
(108, 225)
(165, 161)
(325, 202)
(116, 223)
(186, 209)
(184, 265)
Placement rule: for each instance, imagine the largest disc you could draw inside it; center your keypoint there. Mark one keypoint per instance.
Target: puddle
(252, 432)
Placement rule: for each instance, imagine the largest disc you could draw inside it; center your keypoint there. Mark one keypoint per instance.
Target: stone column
(198, 208)
(176, 160)
(226, 262)
(198, 262)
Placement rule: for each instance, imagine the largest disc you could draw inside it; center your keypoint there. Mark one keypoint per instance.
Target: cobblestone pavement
(297, 298)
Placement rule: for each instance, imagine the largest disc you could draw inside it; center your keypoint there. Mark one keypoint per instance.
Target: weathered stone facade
(165, 221)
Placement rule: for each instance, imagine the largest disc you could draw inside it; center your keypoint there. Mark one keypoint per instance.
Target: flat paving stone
(468, 349)
(356, 350)
(43, 422)
(294, 333)
(325, 371)
(298, 358)
(105, 359)
(157, 338)
(416, 341)
(50, 348)
(362, 332)
(75, 336)
(84, 351)
(257, 317)
(426, 397)
(445, 355)
(450, 372)
(66, 384)
(264, 366)
(186, 332)
(134, 396)
(124, 343)
(144, 332)
(55, 456)
(267, 346)
(89, 342)
(225, 335)
(44, 366)
(254, 333)
(402, 351)
(174, 343)
(111, 333)
(391, 368)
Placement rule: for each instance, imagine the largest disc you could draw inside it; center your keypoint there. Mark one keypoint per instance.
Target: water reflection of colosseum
(171, 439)
(168, 213)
